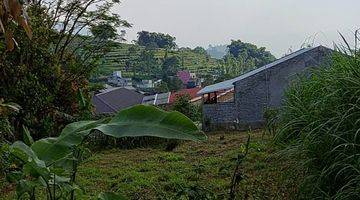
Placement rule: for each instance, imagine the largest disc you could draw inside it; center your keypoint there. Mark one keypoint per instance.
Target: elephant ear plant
(48, 166)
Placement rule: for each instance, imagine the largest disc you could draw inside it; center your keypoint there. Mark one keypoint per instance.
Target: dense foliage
(47, 74)
(250, 53)
(156, 40)
(183, 105)
(320, 128)
(241, 58)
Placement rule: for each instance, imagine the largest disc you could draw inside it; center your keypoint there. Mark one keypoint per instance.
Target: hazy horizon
(278, 26)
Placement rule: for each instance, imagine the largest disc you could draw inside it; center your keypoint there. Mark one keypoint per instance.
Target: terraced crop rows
(117, 57)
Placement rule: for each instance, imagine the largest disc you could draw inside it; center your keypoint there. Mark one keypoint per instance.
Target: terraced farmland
(118, 56)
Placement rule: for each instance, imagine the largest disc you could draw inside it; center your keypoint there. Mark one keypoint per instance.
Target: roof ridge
(107, 104)
(229, 83)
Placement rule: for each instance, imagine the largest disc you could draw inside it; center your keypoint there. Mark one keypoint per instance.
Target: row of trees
(147, 65)
(156, 40)
(243, 57)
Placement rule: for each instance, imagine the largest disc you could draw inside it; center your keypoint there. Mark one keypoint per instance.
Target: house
(117, 80)
(189, 80)
(157, 99)
(145, 84)
(115, 99)
(256, 91)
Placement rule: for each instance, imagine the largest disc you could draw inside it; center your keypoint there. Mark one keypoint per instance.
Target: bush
(182, 104)
(271, 120)
(320, 126)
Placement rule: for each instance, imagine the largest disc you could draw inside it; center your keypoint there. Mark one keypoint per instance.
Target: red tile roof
(192, 92)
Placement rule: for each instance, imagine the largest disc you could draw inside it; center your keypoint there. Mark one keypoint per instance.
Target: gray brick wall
(259, 92)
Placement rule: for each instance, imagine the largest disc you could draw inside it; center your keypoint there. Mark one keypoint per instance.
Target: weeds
(238, 175)
(320, 128)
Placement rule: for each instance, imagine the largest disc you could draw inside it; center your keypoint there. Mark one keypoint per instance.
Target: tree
(250, 53)
(173, 83)
(241, 58)
(148, 63)
(161, 87)
(132, 62)
(156, 40)
(200, 50)
(45, 74)
(171, 65)
(183, 105)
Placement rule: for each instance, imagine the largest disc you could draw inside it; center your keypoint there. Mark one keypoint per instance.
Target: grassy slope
(206, 167)
(153, 173)
(116, 58)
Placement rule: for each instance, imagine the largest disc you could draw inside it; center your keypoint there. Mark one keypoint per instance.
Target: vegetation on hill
(145, 62)
(241, 58)
(319, 126)
(156, 40)
(130, 57)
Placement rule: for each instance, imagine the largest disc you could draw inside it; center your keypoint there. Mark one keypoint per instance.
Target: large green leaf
(53, 149)
(32, 163)
(133, 122)
(150, 121)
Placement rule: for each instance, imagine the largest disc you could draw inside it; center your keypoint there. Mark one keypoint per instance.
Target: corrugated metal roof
(225, 85)
(157, 99)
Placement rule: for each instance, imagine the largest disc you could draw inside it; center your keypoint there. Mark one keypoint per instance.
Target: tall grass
(320, 127)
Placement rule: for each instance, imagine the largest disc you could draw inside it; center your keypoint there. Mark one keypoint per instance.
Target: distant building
(157, 99)
(145, 84)
(256, 91)
(188, 79)
(115, 99)
(117, 80)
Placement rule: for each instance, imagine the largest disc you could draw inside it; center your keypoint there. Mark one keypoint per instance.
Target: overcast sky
(275, 24)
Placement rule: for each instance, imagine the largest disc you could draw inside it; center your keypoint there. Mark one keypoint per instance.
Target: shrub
(182, 104)
(320, 126)
(271, 120)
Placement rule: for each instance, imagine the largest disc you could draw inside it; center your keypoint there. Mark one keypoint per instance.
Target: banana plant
(51, 163)
(13, 11)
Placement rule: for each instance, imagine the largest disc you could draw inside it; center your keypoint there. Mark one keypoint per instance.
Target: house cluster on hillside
(117, 80)
(115, 99)
(123, 92)
(189, 80)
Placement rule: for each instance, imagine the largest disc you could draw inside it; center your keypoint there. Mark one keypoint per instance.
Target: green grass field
(197, 169)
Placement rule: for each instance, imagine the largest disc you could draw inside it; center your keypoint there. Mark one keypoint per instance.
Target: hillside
(120, 53)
